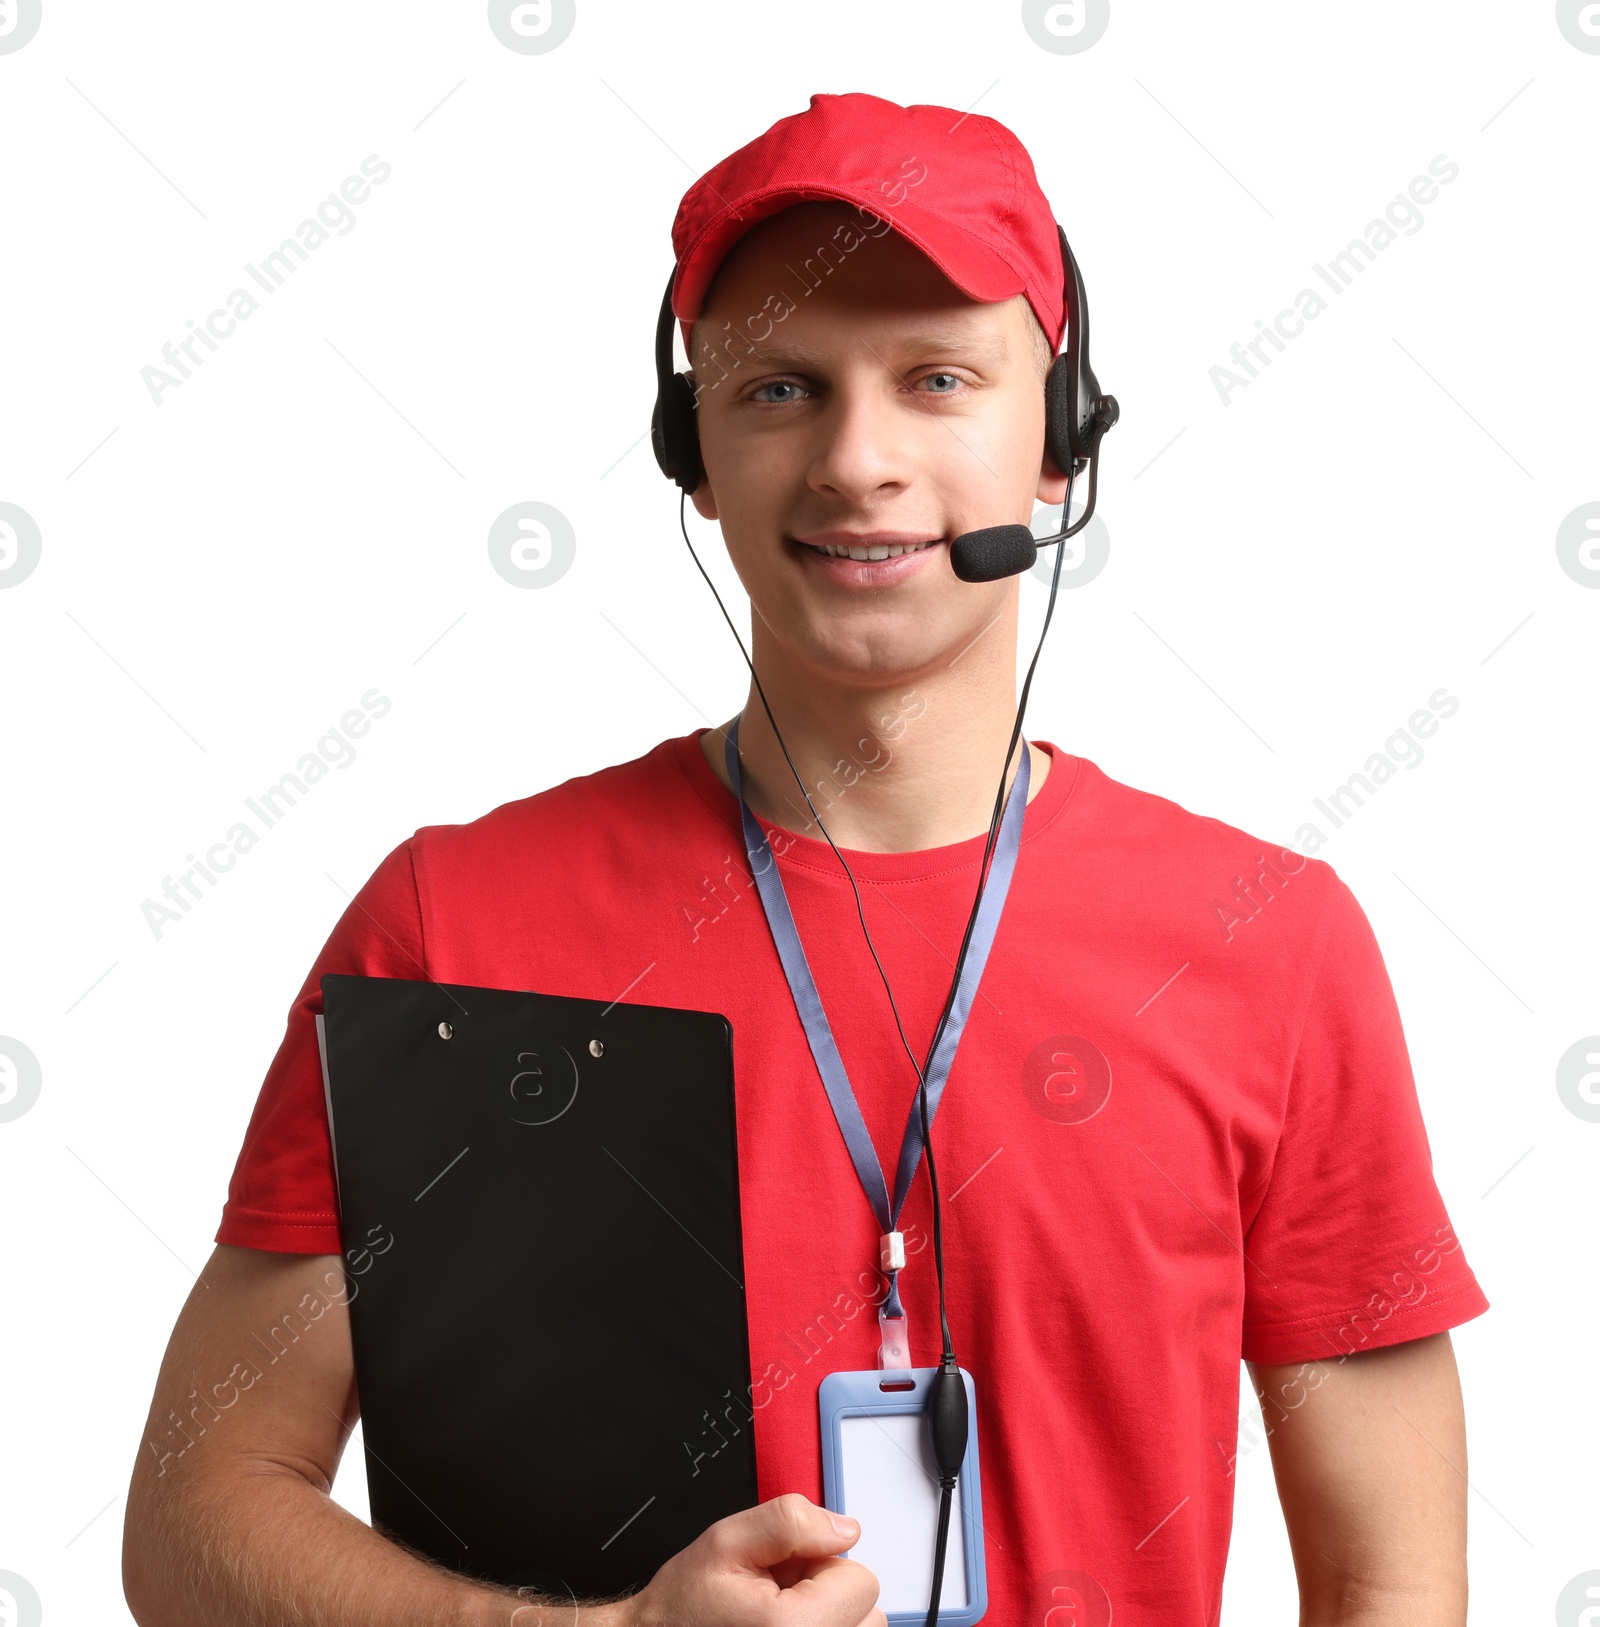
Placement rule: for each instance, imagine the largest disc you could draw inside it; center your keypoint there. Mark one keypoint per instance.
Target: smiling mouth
(872, 551)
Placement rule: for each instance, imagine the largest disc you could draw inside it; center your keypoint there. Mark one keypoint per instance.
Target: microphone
(1007, 550)
(994, 552)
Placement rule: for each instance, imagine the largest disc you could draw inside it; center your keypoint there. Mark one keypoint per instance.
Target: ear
(1052, 488)
(705, 504)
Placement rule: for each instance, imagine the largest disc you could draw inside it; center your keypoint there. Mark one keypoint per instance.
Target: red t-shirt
(1181, 1128)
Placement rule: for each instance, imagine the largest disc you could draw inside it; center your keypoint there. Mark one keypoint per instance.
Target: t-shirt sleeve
(282, 1196)
(1350, 1247)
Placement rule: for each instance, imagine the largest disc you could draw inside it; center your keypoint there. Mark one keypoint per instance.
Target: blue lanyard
(846, 1110)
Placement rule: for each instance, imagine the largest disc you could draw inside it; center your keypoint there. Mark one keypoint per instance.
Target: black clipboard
(539, 1203)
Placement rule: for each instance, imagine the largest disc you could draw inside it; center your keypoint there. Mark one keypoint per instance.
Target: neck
(890, 769)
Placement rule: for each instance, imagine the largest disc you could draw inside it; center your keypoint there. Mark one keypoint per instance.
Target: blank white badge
(891, 1485)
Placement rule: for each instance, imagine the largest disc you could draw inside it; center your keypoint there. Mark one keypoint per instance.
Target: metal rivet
(445, 1030)
(596, 1048)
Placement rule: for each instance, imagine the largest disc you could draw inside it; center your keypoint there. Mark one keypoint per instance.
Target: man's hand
(774, 1565)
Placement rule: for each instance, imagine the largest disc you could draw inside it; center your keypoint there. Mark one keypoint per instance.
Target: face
(884, 409)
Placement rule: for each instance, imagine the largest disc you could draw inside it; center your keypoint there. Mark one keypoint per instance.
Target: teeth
(876, 551)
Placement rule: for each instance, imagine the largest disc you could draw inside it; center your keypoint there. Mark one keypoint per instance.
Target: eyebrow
(985, 347)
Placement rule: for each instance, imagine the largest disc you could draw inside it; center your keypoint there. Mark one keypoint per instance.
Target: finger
(786, 1572)
(789, 1571)
(839, 1593)
(786, 1527)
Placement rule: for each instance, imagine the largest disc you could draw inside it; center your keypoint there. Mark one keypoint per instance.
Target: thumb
(791, 1527)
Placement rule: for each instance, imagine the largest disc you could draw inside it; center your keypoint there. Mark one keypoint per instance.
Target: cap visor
(977, 270)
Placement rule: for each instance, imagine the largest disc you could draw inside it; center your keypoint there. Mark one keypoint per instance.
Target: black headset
(1076, 416)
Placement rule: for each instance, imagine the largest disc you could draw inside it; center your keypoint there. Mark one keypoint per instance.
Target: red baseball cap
(960, 187)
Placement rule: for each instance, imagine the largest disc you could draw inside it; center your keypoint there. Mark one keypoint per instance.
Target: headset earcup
(675, 434)
(1060, 414)
(658, 439)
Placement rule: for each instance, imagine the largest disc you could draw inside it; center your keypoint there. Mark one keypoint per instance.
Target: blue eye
(949, 376)
(777, 384)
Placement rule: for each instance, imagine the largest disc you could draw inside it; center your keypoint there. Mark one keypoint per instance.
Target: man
(1181, 1127)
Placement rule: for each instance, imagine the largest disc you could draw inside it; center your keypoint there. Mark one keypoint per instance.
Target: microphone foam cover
(997, 551)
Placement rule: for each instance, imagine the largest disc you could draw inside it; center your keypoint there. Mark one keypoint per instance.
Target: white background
(1291, 575)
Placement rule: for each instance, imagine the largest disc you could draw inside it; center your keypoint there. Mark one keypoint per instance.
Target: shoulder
(1173, 857)
(641, 800)
(1112, 812)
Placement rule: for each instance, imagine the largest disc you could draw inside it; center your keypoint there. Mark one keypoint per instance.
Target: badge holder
(878, 1467)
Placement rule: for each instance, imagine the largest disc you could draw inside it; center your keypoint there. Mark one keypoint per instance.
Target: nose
(866, 437)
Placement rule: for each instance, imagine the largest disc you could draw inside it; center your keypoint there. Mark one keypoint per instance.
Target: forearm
(267, 1548)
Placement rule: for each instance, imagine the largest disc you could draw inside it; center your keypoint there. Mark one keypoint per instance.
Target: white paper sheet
(891, 1485)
